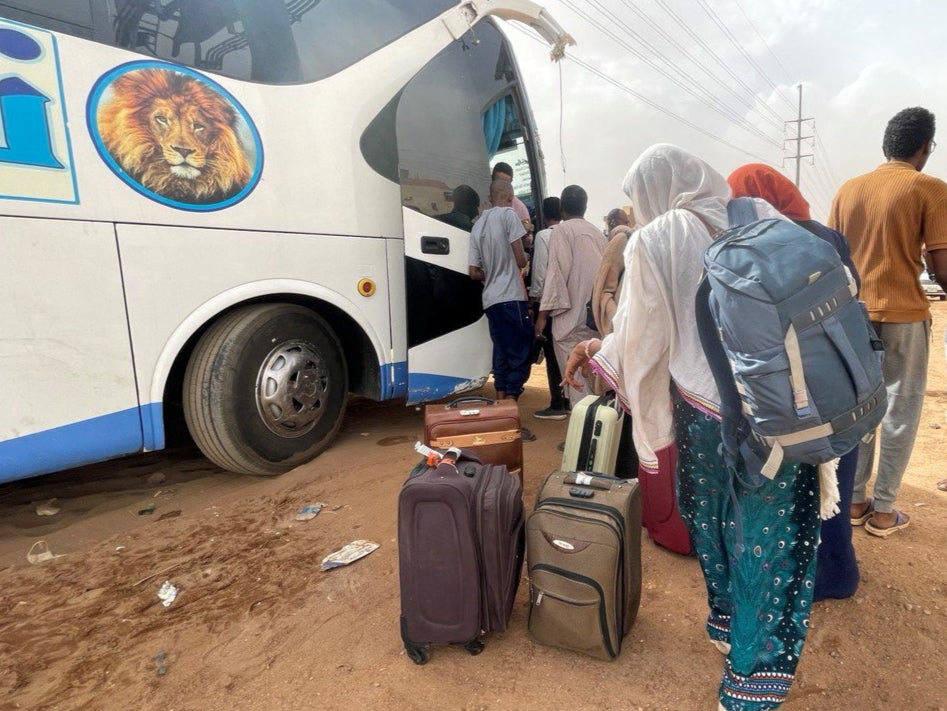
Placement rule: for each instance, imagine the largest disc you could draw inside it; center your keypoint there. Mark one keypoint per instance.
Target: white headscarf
(666, 178)
(679, 201)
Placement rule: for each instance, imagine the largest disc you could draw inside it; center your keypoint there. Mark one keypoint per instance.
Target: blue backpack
(792, 351)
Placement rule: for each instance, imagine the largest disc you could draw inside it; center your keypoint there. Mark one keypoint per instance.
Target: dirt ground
(258, 626)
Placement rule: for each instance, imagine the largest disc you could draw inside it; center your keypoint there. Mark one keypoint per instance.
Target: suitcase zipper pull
(539, 598)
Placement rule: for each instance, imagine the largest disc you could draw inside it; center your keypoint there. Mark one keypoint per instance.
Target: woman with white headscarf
(757, 555)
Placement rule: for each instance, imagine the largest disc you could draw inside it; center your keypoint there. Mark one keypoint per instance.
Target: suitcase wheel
(418, 655)
(474, 647)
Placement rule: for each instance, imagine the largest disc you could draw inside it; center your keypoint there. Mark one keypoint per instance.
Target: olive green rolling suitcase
(583, 551)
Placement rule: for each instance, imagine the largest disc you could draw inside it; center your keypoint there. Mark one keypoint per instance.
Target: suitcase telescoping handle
(602, 483)
(469, 401)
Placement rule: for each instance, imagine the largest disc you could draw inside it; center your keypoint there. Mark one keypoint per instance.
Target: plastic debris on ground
(309, 512)
(161, 666)
(147, 510)
(40, 552)
(48, 508)
(348, 554)
(167, 593)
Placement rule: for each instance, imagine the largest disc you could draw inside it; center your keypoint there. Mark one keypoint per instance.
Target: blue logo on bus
(175, 136)
(35, 155)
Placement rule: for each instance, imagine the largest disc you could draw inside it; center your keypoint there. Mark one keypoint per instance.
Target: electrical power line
(667, 37)
(711, 103)
(644, 99)
(697, 39)
(759, 34)
(741, 49)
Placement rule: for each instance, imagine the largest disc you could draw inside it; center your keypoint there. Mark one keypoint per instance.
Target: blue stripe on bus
(80, 443)
(394, 380)
(425, 387)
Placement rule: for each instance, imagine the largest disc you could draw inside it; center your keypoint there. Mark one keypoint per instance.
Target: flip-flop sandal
(869, 512)
(901, 521)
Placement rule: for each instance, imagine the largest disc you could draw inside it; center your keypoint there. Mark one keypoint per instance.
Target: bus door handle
(435, 245)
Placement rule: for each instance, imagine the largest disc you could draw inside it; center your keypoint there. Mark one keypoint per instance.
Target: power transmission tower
(799, 138)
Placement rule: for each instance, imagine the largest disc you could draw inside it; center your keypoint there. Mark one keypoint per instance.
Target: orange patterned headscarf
(764, 181)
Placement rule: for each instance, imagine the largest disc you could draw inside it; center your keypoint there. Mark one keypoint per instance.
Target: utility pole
(798, 139)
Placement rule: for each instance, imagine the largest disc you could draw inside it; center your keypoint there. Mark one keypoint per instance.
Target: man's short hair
(907, 133)
(504, 168)
(574, 200)
(616, 216)
(551, 209)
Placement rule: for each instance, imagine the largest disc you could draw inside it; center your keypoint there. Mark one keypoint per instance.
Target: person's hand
(579, 361)
(540, 325)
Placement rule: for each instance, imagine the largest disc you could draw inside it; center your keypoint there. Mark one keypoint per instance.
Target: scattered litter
(156, 479)
(48, 508)
(147, 510)
(921, 503)
(164, 492)
(348, 554)
(365, 434)
(119, 549)
(307, 513)
(170, 514)
(935, 426)
(40, 552)
(160, 660)
(167, 593)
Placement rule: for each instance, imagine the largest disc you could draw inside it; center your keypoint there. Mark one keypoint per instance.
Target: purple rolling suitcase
(460, 547)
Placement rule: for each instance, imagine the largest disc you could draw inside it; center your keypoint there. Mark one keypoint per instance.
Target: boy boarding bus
(249, 207)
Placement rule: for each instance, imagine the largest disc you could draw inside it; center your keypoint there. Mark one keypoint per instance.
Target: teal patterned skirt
(757, 550)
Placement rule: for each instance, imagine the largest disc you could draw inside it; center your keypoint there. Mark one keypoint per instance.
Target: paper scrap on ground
(307, 513)
(48, 508)
(348, 554)
(167, 593)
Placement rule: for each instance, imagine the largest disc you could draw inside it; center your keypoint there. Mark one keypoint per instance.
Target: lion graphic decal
(177, 137)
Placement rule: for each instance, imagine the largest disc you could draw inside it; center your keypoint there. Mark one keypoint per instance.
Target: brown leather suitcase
(488, 428)
(460, 552)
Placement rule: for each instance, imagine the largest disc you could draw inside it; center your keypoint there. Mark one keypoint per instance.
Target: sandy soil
(258, 626)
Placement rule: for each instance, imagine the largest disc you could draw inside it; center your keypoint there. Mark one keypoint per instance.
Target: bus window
(271, 41)
(77, 17)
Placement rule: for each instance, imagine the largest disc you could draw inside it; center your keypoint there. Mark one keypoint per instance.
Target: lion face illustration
(175, 135)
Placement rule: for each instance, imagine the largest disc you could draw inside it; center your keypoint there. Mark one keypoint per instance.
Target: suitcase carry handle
(469, 399)
(595, 481)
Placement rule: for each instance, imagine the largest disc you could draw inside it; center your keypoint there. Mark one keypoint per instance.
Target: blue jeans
(511, 330)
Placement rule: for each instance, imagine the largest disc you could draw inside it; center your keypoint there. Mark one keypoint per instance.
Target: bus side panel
(69, 394)
(179, 279)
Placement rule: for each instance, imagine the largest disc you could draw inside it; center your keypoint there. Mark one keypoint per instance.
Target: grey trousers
(907, 347)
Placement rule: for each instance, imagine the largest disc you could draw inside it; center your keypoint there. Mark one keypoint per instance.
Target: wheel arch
(361, 345)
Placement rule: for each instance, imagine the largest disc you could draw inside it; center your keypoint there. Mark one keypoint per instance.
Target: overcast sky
(859, 63)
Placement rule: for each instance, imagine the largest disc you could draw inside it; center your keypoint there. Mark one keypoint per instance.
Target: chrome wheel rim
(292, 388)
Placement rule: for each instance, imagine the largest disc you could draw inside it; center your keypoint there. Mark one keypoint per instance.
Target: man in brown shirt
(889, 215)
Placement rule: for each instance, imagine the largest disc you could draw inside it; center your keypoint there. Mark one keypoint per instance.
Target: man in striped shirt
(889, 216)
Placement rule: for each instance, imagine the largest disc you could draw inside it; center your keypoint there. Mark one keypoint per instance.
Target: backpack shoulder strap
(734, 429)
(741, 211)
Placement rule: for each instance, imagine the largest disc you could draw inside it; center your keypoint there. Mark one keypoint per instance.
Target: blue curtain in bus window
(494, 123)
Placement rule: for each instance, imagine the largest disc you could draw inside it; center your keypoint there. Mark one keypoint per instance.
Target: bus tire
(265, 389)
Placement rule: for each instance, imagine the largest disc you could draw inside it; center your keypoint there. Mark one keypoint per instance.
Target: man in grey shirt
(496, 258)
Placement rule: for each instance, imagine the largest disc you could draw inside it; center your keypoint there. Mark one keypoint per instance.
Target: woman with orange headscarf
(836, 567)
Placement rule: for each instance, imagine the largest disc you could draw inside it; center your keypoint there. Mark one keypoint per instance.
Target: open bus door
(457, 117)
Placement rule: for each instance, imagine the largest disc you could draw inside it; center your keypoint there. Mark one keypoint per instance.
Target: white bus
(245, 209)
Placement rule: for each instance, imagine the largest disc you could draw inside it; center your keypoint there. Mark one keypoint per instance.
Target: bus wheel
(265, 389)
